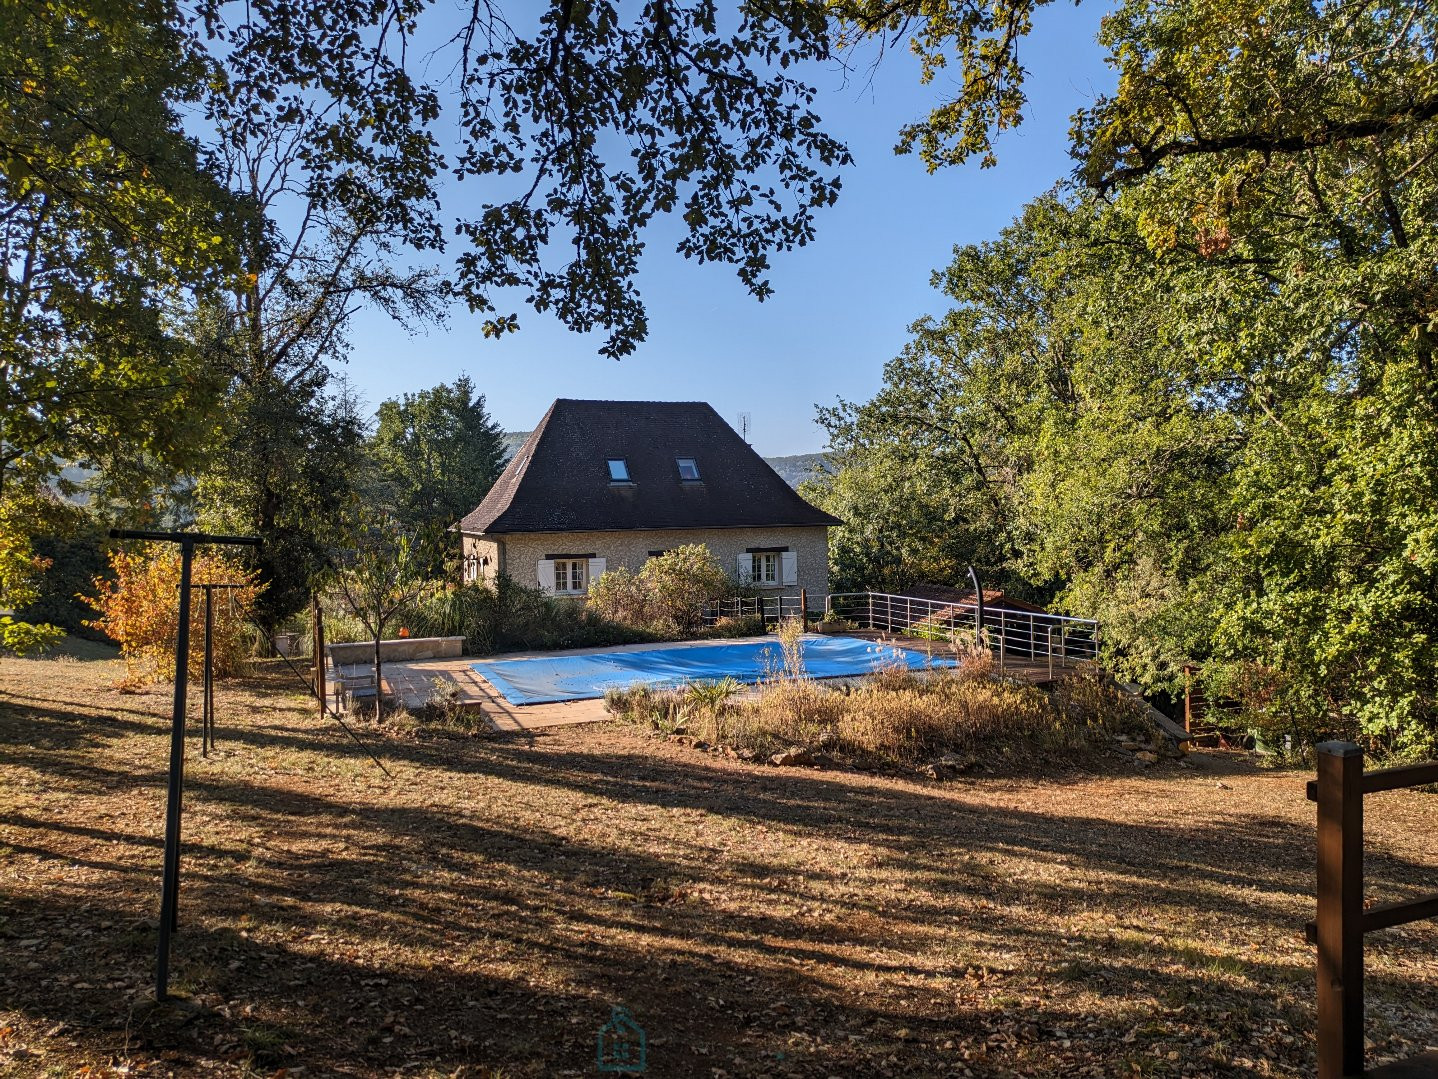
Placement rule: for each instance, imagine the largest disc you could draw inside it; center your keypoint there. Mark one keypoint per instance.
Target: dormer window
(688, 469)
(618, 470)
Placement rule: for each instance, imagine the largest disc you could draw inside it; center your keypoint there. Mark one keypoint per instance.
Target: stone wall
(519, 554)
(400, 648)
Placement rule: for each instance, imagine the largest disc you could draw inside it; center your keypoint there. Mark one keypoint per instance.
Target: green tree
(197, 199)
(437, 453)
(668, 594)
(286, 457)
(108, 216)
(284, 467)
(20, 570)
(379, 569)
(1205, 400)
(909, 517)
(73, 541)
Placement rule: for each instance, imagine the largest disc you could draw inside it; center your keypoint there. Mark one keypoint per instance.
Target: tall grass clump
(941, 712)
(667, 711)
(896, 716)
(1088, 700)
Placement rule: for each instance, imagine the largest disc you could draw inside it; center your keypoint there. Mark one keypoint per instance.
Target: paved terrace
(415, 681)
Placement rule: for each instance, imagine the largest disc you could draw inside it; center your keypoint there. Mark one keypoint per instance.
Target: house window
(688, 468)
(618, 470)
(766, 568)
(570, 576)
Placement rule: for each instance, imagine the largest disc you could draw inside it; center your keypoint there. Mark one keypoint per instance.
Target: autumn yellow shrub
(140, 610)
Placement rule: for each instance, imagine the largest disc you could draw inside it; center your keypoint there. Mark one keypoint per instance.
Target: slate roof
(558, 481)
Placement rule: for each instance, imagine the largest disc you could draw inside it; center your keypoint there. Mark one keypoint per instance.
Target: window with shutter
(764, 568)
(746, 569)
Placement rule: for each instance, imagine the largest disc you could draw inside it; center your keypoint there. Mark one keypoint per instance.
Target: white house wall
(519, 554)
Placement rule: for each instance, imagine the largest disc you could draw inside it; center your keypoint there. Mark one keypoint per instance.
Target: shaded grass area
(484, 911)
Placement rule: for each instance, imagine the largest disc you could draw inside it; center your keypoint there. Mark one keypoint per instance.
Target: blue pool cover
(543, 679)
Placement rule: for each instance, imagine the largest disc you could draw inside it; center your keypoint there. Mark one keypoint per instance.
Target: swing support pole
(208, 703)
(207, 696)
(174, 798)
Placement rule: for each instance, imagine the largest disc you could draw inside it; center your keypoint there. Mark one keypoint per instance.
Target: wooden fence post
(1188, 698)
(1340, 910)
(317, 637)
(804, 607)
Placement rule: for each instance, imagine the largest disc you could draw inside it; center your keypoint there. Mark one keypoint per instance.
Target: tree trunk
(266, 515)
(378, 685)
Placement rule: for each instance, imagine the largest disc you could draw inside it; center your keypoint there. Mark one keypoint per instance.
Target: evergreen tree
(437, 453)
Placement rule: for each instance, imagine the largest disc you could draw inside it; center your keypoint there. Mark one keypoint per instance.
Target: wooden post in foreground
(1340, 910)
(804, 607)
(317, 638)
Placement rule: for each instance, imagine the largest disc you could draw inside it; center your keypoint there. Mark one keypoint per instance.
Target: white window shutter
(596, 570)
(546, 575)
(746, 569)
(790, 561)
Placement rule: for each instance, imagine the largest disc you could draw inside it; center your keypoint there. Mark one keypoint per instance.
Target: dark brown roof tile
(558, 481)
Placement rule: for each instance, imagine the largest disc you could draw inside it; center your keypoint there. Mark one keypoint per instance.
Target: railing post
(1003, 642)
(1188, 697)
(1340, 910)
(804, 608)
(1049, 649)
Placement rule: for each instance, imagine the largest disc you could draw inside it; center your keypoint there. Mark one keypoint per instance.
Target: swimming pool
(544, 679)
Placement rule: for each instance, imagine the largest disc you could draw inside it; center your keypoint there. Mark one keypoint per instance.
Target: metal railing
(1018, 636)
(770, 608)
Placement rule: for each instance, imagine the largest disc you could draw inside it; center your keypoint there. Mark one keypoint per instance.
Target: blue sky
(842, 305)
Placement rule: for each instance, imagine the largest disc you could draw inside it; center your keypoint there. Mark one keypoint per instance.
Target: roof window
(688, 468)
(618, 470)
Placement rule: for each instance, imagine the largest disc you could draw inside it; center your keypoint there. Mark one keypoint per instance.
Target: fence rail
(769, 608)
(1013, 636)
(1033, 636)
(1342, 919)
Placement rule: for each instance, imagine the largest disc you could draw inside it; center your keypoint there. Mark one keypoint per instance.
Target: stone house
(601, 484)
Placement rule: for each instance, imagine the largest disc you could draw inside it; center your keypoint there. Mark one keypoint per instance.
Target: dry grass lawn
(481, 913)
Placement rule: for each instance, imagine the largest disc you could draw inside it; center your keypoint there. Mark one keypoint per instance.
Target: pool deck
(413, 681)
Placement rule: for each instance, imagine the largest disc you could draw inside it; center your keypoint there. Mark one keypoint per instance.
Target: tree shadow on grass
(490, 906)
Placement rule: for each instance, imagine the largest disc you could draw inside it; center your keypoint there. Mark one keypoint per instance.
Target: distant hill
(795, 469)
(799, 467)
(512, 441)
